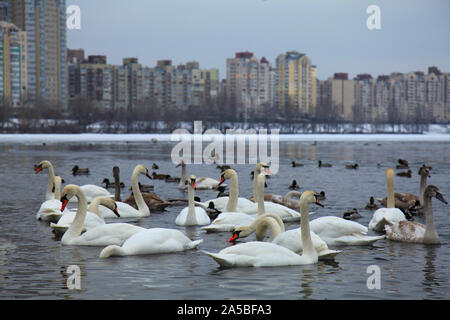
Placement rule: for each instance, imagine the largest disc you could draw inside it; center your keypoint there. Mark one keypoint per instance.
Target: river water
(33, 263)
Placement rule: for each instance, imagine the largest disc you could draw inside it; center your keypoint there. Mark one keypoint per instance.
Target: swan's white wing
(201, 217)
(256, 254)
(292, 239)
(91, 220)
(124, 209)
(228, 221)
(384, 216)
(92, 191)
(104, 235)
(334, 227)
(221, 203)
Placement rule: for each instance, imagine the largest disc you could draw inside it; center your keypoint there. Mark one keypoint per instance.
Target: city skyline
(334, 36)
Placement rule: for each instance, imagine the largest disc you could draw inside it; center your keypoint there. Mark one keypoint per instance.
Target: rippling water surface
(33, 263)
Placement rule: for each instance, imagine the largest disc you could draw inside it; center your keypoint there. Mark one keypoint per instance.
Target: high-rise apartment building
(13, 65)
(248, 82)
(295, 88)
(45, 24)
(96, 81)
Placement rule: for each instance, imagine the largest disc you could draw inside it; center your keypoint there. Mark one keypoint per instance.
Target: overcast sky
(414, 34)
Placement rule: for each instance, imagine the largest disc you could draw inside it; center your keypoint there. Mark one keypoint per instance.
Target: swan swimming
(267, 254)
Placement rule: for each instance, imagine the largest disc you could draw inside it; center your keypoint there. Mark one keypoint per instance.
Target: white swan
(267, 254)
(236, 204)
(203, 183)
(389, 215)
(49, 194)
(336, 231)
(152, 241)
(291, 239)
(50, 210)
(93, 217)
(191, 215)
(411, 231)
(103, 235)
(124, 209)
(231, 217)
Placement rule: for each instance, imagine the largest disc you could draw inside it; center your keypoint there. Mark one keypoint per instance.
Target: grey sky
(415, 34)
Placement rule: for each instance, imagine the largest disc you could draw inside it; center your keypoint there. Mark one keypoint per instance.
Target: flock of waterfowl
(264, 213)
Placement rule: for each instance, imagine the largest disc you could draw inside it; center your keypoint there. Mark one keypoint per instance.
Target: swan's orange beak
(38, 169)
(234, 237)
(64, 201)
(268, 171)
(194, 185)
(221, 181)
(116, 212)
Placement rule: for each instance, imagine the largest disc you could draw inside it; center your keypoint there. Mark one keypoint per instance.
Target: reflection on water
(33, 264)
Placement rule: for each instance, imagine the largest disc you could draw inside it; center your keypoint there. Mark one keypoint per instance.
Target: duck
(403, 164)
(269, 254)
(152, 241)
(222, 192)
(172, 179)
(289, 239)
(352, 214)
(352, 166)
(203, 183)
(157, 176)
(155, 166)
(144, 187)
(295, 164)
(125, 210)
(390, 214)
(324, 165)
(412, 231)
(112, 185)
(294, 185)
(152, 200)
(192, 215)
(286, 200)
(93, 217)
(406, 174)
(102, 235)
(223, 167)
(371, 205)
(76, 171)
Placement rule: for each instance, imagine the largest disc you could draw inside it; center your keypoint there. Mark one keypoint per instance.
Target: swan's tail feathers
(220, 259)
(110, 251)
(193, 244)
(58, 229)
(328, 254)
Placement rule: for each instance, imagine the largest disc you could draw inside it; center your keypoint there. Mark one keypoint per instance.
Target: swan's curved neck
(234, 194)
(77, 225)
(51, 179)
(191, 210)
(259, 193)
(292, 194)
(93, 207)
(142, 206)
(270, 222)
(431, 234)
(57, 187)
(308, 248)
(390, 188)
(183, 176)
(423, 185)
